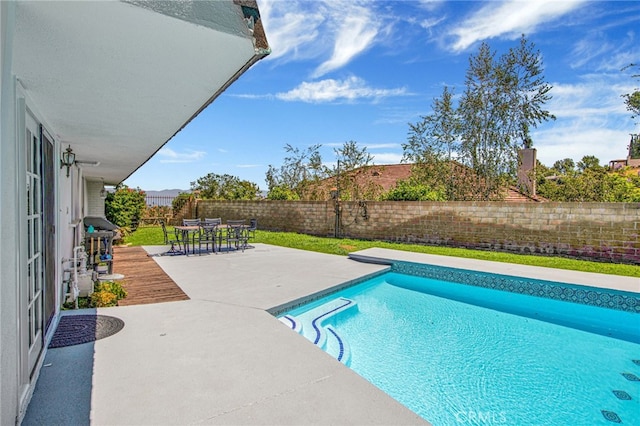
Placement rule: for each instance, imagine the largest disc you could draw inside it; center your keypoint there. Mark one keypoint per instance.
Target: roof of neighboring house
(387, 176)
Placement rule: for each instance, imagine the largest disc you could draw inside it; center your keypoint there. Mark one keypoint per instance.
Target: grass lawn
(152, 235)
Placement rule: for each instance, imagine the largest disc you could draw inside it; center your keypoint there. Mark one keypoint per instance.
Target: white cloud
(594, 99)
(356, 30)
(330, 90)
(167, 155)
(575, 141)
(290, 29)
(592, 120)
(431, 5)
(334, 31)
(387, 157)
(598, 51)
(508, 18)
(428, 24)
(382, 145)
(587, 49)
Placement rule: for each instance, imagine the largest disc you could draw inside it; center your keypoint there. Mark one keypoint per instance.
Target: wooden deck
(144, 280)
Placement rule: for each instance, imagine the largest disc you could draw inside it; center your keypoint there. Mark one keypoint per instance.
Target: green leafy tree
(180, 200)
(225, 187)
(589, 162)
(282, 192)
(432, 143)
(124, 207)
(565, 167)
(472, 150)
(351, 172)
(590, 182)
(299, 170)
(504, 97)
(352, 157)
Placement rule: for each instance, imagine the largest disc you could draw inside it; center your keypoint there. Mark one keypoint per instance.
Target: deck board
(144, 280)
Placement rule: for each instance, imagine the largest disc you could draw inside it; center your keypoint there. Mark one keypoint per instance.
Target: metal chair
(209, 233)
(237, 234)
(253, 225)
(212, 221)
(173, 242)
(194, 233)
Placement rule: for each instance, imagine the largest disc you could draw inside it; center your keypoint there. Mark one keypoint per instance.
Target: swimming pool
(470, 354)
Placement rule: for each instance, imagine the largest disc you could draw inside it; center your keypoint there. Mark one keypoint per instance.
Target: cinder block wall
(306, 217)
(595, 231)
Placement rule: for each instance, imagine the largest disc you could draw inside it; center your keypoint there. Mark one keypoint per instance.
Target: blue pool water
(458, 354)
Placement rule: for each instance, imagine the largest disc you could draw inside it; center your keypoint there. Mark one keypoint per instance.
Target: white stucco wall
(9, 393)
(15, 389)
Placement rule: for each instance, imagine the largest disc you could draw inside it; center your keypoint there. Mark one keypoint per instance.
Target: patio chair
(209, 233)
(253, 225)
(190, 222)
(212, 221)
(237, 234)
(168, 241)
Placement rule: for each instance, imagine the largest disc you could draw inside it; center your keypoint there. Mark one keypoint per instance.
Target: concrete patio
(221, 358)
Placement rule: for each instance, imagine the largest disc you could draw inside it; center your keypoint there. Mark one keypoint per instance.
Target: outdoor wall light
(68, 158)
(103, 191)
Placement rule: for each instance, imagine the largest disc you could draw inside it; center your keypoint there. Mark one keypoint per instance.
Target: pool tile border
(603, 298)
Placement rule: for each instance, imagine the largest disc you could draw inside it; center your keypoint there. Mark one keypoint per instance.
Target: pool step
(310, 325)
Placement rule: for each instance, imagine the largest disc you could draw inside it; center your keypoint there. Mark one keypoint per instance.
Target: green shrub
(406, 190)
(102, 299)
(179, 202)
(114, 287)
(107, 293)
(282, 192)
(125, 206)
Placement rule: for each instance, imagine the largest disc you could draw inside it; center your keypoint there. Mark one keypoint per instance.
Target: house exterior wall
(95, 204)
(9, 361)
(16, 384)
(590, 231)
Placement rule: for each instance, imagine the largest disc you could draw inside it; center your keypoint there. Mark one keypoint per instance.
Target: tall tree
(565, 167)
(351, 172)
(589, 162)
(433, 143)
(503, 99)
(352, 157)
(301, 167)
(526, 90)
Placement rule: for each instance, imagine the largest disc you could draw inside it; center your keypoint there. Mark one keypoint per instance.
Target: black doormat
(78, 329)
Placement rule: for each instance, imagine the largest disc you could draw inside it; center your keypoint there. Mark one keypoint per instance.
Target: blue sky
(362, 70)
